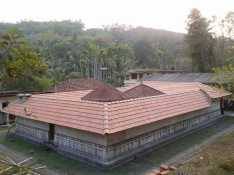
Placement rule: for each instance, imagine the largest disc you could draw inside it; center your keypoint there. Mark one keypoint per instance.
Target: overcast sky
(161, 14)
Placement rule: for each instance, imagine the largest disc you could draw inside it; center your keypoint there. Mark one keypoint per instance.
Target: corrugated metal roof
(69, 110)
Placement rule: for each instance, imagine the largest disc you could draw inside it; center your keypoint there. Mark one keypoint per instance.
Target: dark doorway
(134, 76)
(5, 104)
(51, 132)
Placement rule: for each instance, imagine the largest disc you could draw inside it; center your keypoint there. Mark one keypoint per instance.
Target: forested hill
(66, 46)
(36, 55)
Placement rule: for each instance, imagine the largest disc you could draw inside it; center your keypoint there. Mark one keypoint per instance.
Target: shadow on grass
(139, 166)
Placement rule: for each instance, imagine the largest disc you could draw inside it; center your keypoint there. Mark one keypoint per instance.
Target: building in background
(205, 78)
(135, 75)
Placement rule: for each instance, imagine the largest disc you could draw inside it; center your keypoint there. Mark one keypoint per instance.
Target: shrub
(228, 165)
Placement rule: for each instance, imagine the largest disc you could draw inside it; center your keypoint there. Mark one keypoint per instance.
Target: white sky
(161, 14)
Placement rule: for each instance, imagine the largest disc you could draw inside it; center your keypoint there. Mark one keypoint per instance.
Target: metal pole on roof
(103, 69)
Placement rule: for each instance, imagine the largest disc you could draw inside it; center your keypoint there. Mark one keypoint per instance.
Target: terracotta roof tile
(106, 93)
(159, 107)
(178, 87)
(141, 91)
(69, 110)
(214, 92)
(76, 114)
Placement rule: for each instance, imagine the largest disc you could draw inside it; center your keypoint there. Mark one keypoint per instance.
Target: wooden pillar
(7, 119)
(138, 76)
(222, 105)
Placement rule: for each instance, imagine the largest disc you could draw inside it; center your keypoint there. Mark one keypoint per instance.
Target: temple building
(107, 126)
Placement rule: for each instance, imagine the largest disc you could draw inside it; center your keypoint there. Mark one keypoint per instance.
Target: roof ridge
(106, 118)
(142, 98)
(78, 100)
(209, 98)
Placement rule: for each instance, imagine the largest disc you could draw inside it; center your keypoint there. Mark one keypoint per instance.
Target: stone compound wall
(127, 149)
(2, 118)
(32, 130)
(112, 149)
(85, 145)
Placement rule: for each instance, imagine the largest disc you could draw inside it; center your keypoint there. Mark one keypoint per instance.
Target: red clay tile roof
(66, 109)
(69, 110)
(127, 114)
(141, 91)
(77, 85)
(178, 87)
(214, 92)
(105, 93)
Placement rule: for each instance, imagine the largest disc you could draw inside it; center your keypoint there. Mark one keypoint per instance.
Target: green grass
(139, 166)
(3, 129)
(215, 159)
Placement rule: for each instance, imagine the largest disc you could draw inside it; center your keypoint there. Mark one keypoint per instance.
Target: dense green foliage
(207, 48)
(224, 76)
(21, 67)
(71, 51)
(228, 43)
(200, 42)
(224, 73)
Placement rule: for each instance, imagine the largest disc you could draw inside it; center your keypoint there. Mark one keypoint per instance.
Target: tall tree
(70, 51)
(200, 41)
(21, 67)
(224, 76)
(229, 38)
(146, 56)
(119, 58)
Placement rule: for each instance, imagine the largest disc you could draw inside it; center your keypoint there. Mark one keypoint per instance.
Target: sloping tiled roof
(128, 114)
(214, 92)
(141, 90)
(172, 87)
(14, 93)
(64, 109)
(179, 87)
(69, 110)
(77, 85)
(106, 93)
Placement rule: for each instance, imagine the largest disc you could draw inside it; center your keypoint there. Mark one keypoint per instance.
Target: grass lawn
(139, 166)
(3, 129)
(215, 159)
